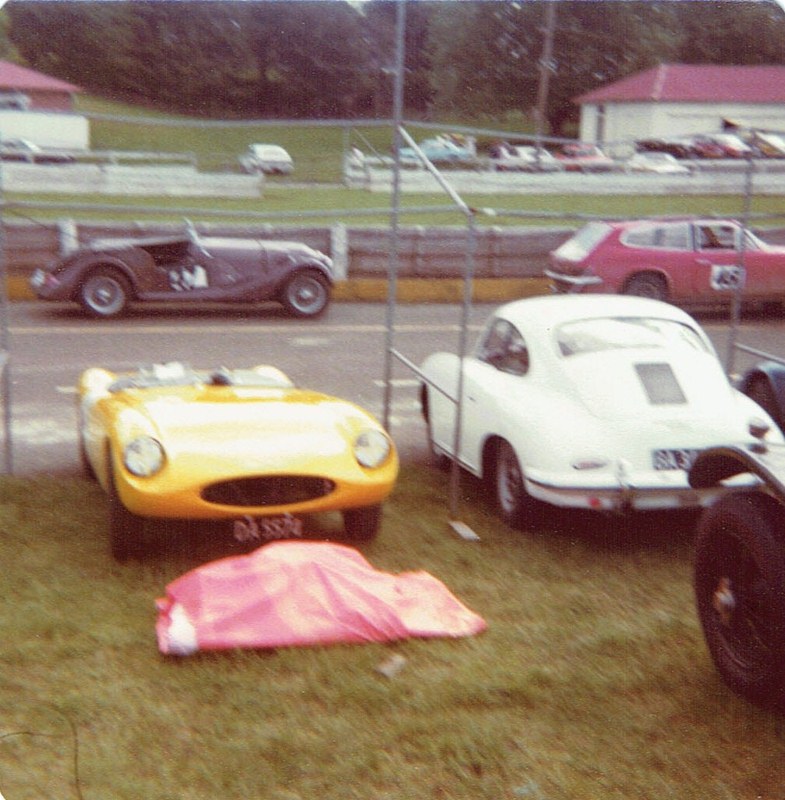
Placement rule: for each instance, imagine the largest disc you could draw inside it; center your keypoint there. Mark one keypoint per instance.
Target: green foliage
(310, 59)
(592, 680)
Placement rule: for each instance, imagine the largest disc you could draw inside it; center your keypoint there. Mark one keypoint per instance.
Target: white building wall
(617, 124)
(46, 129)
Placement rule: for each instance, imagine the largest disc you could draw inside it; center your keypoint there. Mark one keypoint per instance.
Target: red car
(585, 158)
(669, 259)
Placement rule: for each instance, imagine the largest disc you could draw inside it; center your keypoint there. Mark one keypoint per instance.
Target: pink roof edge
(695, 83)
(13, 76)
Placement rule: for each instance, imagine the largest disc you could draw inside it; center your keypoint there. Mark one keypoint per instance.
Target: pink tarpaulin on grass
(304, 593)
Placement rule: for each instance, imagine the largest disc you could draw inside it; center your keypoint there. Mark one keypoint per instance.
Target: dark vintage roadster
(739, 568)
(106, 275)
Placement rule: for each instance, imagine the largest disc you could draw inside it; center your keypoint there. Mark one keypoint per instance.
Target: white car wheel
(516, 506)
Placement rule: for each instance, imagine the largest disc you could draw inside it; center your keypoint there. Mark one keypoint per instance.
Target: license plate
(267, 529)
(674, 458)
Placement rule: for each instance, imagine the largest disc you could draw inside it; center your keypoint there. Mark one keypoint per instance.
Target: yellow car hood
(268, 430)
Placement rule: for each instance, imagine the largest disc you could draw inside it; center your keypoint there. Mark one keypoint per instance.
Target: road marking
(309, 341)
(45, 431)
(201, 330)
(398, 382)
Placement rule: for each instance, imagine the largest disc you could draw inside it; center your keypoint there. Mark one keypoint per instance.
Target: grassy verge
(324, 205)
(592, 680)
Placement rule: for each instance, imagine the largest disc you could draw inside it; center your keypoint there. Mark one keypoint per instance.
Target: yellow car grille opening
(270, 490)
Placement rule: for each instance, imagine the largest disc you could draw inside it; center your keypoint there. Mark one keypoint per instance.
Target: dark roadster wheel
(739, 592)
(516, 506)
(104, 293)
(362, 524)
(305, 294)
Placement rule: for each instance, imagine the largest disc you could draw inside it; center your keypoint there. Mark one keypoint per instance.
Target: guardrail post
(339, 250)
(67, 236)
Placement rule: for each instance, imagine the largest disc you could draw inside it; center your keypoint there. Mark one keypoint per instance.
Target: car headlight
(371, 448)
(144, 456)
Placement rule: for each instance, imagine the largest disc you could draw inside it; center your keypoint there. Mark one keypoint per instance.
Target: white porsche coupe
(587, 401)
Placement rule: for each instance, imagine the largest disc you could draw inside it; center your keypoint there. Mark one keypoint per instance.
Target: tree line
(256, 59)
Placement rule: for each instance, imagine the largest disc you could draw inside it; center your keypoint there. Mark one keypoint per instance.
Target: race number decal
(184, 278)
(727, 277)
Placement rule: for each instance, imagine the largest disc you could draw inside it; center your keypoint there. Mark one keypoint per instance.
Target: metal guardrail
(760, 353)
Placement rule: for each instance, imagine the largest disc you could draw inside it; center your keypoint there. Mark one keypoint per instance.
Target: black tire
(124, 526)
(306, 294)
(516, 506)
(84, 461)
(647, 284)
(761, 392)
(441, 460)
(739, 579)
(362, 524)
(104, 293)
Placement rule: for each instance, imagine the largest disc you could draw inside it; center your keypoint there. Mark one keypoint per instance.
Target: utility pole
(547, 68)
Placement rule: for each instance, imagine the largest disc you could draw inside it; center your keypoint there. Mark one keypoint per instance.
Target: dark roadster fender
(719, 463)
(765, 384)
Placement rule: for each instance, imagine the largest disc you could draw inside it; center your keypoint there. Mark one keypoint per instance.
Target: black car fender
(717, 464)
(765, 383)
(305, 266)
(78, 271)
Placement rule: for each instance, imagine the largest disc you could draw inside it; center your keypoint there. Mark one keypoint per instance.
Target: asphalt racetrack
(343, 353)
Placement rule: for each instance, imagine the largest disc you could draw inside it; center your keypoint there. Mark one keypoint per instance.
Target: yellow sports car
(244, 445)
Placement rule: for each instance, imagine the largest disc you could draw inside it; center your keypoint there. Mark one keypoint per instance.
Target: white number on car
(727, 277)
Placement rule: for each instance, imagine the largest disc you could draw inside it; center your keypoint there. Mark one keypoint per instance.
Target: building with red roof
(683, 99)
(40, 108)
(25, 89)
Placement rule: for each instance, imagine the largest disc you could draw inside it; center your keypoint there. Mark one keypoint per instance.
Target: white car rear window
(583, 242)
(620, 333)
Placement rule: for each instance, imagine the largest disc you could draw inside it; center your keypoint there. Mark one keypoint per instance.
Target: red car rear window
(583, 242)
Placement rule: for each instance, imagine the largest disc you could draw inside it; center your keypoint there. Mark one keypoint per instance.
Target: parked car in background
(585, 158)
(766, 145)
(739, 569)
(106, 275)
(442, 149)
(661, 163)
(678, 147)
(599, 403)
(719, 145)
(524, 158)
(31, 153)
(241, 445)
(675, 259)
(270, 159)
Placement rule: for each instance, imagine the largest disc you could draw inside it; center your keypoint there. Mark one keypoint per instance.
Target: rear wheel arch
(650, 283)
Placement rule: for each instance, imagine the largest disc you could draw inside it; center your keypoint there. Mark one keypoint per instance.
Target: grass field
(324, 205)
(592, 680)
